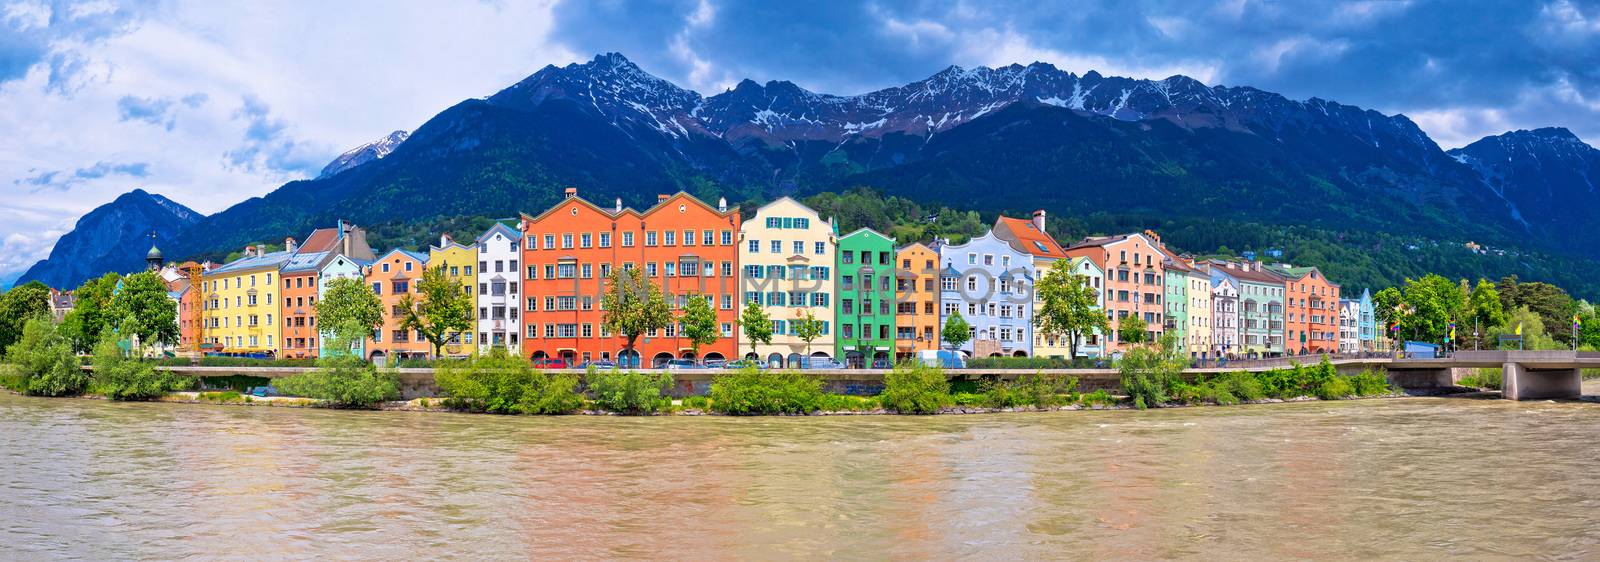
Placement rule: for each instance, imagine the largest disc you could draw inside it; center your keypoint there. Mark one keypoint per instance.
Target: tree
(1067, 306)
(1484, 308)
(956, 331)
(699, 321)
(17, 306)
(444, 309)
(633, 305)
(1532, 327)
(1428, 306)
(90, 312)
(142, 309)
(348, 313)
(45, 360)
(756, 324)
(807, 327)
(1132, 329)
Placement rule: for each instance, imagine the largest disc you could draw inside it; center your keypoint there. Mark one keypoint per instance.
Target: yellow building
(241, 304)
(460, 263)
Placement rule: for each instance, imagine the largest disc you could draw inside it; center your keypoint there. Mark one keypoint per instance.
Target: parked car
(716, 363)
(743, 364)
(683, 365)
(549, 363)
(821, 363)
(882, 364)
(601, 365)
(942, 358)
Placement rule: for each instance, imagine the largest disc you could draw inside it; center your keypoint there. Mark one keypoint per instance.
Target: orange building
(298, 300)
(916, 300)
(392, 277)
(1311, 310)
(683, 245)
(1134, 281)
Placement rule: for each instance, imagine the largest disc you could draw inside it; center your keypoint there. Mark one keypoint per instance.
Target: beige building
(787, 251)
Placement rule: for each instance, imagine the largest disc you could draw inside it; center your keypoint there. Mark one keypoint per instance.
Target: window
(727, 269)
(566, 240)
(688, 237)
(650, 269)
(588, 271)
(566, 270)
(585, 240)
(689, 268)
(671, 238)
(533, 272)
(650, 238)
(752, 271)
(727, 302)
(605, 240)
(707, 238)
(752, 297)
(822, 248)
(549, 241)
(549, 271)
(755, 246)
(627, 239)
(777, 246)
(727, 238)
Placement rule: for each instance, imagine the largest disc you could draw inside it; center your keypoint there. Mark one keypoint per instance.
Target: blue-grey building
(990, 283)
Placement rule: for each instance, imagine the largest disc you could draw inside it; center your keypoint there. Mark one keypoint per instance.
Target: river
(1425, 478)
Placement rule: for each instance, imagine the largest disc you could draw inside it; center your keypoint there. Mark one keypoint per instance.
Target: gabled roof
(408, 253)
(501, 228)
(1255, 276)
(925, 247)
(321, 240)
(865, 230)
(1029, 239)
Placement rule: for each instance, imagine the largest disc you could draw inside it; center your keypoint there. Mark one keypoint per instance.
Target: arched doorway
(714, 356)
(1020, 353)
(540, 355)
(660, 360)
(379, 358)
(569, 356)
(794, 361)
(881, 356)
(686, 355)
(628, 358)
(774, 360)
(995, 354)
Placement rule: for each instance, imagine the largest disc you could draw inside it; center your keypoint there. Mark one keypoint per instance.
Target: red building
(1311, 311)
(683, 245)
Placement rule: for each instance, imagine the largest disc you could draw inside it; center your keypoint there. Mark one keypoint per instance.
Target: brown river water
(1412, 479)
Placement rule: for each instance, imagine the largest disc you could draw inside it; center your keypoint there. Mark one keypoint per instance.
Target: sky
(211, 103)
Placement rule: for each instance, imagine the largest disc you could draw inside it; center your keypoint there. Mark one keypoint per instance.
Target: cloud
(61, 180)
(164, 85)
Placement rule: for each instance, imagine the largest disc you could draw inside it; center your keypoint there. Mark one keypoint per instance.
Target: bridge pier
(1522, 383)
(1421, 378)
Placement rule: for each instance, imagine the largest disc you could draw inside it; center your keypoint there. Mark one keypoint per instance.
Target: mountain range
(1007, 139)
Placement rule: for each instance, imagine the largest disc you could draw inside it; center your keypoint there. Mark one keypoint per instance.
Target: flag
(1576, 322)
(1519, 328)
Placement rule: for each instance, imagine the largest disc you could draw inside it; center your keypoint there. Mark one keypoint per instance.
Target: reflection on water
(1410, 479)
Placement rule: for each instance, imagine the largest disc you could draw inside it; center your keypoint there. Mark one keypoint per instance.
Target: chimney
(619, 205)
(289, 245)
(572, 192)
(662, 198)
(1038, 220)
(444, 240)
(722, 204)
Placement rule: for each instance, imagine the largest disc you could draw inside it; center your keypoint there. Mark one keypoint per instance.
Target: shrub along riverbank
(498, 383)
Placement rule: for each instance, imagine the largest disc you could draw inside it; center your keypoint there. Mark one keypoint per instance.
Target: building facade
(1226, 337)
(458, 262)
(1349, 326)
(1199, 333)
(1367, 324)
(916, 301)
(299, 303)
(684, 246)
(1260, 308)
(1311, 311)
(1030, 237)
(339, 267)
(498, 292)
(241, 307)
(990, 283)
(864, 312)
(788, 252)
(392, 277)
(1175, 279)
(1134, 281)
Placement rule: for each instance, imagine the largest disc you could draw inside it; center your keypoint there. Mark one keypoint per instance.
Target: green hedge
(913, 388)
(504, 384)
(753, 391)
(629, 392)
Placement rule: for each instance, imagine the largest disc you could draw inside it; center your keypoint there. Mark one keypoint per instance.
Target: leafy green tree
(119, 377)
(1133, 329)
(808, 328)
(17, 306)
(501, 383)
(1150, 372)
(1428, 306)
(1068, 306)
(444, 308)
(699, 321)
(90, 312)
(46, 361)
(915, 388)
(141, 309)
(757, 326)
(1534, 334)
(348, 312)
(345, 381)
(633, 305)
(1484, 307)
(956, 331)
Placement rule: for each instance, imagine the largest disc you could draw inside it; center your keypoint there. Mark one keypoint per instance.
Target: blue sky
(210, 103)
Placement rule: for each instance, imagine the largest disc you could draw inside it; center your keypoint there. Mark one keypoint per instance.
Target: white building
(1349, 326)
(787, 252)
(499, 288)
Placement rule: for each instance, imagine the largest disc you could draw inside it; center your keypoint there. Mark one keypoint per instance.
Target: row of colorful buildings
(538, 284)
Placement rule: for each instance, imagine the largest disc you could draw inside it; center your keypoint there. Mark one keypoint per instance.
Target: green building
(864, 317)
(1177, 300)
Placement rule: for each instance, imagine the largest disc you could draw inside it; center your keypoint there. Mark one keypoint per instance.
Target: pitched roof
(866, 230)
(321, 240)
(305, 262)
(501, 228)
(1029, 239)
(1254, 276)
(272, 260)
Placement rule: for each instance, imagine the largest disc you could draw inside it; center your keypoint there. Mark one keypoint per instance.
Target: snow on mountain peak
(363, 154)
